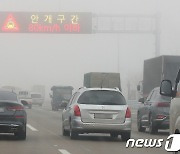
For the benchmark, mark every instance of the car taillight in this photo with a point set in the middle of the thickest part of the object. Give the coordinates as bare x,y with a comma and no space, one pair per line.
15,108
19,117
160,116
163,104
77,111
128,113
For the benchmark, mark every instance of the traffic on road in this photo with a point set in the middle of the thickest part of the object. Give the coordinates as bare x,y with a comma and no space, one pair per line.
89,77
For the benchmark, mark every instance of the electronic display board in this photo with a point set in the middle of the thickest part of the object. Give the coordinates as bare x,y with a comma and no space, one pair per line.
46,22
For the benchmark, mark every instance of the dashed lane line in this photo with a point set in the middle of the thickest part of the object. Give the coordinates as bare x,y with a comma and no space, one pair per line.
63,151
32,128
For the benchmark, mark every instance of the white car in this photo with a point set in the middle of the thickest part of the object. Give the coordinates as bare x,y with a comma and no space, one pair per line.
37,99
174,93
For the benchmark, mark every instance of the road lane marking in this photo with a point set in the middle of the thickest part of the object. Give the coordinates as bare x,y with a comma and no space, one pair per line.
63,151
32,128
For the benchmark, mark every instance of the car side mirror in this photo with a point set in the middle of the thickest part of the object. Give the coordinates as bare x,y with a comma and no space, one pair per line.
64,104
141,100
166,88
25,103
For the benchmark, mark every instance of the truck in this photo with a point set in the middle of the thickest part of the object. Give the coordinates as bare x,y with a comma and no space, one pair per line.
155,70
60,96
102,80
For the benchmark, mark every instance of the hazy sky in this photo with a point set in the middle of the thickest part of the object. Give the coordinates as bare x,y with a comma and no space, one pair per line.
27,59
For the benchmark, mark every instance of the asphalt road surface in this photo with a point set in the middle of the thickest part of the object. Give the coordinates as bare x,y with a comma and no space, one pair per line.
44,136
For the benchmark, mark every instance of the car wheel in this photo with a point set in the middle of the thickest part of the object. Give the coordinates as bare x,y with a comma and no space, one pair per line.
65,132
73,134
126,136
114,135
21,135
152,127
139,125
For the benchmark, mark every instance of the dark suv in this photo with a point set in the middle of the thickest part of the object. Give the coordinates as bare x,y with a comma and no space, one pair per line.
155,112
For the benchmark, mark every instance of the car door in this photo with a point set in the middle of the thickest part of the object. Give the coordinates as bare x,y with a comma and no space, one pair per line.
175,113
145,109
66,112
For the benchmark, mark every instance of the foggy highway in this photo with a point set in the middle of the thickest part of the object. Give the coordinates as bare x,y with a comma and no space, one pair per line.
44,135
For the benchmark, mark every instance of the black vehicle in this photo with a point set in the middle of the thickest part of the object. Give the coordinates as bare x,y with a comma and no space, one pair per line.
12,115
155,112
60,96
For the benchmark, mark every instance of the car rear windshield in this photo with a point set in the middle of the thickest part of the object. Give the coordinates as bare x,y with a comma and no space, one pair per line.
8,96
102,97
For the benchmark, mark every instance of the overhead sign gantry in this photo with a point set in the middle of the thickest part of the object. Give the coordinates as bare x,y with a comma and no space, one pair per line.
42,22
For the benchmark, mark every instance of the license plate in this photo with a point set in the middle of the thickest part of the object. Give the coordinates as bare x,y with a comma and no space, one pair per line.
1,109
102,116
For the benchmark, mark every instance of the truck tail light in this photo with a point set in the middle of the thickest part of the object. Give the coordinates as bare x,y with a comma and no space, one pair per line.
128,113
77,111
160,116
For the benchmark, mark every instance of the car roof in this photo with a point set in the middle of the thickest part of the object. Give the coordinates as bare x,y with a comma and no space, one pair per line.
83,89
7,90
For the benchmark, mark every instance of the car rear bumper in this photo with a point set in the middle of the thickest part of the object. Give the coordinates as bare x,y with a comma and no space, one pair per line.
162,124
11,127
81,127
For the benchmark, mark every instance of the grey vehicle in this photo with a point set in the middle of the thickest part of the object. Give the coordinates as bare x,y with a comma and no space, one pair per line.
97,110
12,115
154,114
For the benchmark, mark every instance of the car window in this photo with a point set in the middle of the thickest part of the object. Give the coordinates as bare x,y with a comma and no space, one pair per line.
153,96
156,97
8,96
149,96
102,97
70,101
75,98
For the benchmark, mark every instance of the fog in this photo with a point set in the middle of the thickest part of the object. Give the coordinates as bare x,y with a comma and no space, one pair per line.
62,59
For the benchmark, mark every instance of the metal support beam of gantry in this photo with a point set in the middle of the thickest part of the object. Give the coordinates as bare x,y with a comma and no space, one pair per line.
128,23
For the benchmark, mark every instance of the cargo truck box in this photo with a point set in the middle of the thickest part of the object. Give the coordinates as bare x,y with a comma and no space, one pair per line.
104,80
158,69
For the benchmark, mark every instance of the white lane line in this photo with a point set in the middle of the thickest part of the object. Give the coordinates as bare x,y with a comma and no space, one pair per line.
32,128
63,151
